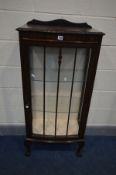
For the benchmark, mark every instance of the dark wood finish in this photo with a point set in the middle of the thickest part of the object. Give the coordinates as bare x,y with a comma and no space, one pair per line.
24,53
80,148
58,22
71,91
57,92
27,146
59,33
58,26
51,39
44,72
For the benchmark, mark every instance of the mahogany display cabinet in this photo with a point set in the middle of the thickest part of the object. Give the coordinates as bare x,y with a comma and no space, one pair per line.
59,60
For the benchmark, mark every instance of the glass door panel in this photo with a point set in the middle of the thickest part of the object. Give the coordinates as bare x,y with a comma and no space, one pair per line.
56,89
36,77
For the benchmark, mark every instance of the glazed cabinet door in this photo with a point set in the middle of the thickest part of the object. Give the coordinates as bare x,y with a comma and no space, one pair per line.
57,81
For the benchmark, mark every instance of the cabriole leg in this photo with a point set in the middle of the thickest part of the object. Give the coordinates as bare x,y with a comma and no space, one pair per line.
80,148
27,148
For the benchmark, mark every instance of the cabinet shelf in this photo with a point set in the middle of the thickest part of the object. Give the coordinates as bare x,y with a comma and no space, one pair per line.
50,103
56,81
72,112
51,75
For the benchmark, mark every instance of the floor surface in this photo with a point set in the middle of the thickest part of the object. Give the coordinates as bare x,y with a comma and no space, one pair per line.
99,157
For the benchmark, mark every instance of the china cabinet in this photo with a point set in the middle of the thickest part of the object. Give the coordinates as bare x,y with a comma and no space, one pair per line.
58,60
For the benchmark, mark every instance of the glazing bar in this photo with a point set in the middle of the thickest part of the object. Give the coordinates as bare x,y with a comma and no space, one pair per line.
59,65
71,92
44,73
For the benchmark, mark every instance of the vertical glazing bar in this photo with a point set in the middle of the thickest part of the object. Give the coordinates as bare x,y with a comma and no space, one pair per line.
71,91
44,73
59,65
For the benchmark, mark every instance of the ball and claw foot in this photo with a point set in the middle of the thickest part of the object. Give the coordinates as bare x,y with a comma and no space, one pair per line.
27,148
80,149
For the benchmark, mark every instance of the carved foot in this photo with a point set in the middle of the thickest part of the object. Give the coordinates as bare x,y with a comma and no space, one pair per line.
27,148
80,149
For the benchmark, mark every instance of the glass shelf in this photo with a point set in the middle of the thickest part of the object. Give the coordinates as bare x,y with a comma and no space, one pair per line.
51,75
50,122
37,88
63,105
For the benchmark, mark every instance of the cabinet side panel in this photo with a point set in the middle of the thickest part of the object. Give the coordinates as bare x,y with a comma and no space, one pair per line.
88,88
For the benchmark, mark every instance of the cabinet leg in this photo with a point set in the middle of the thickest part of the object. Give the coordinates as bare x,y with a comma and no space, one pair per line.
80,149
27,148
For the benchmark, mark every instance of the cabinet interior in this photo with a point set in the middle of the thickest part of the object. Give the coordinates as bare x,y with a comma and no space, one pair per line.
44,67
